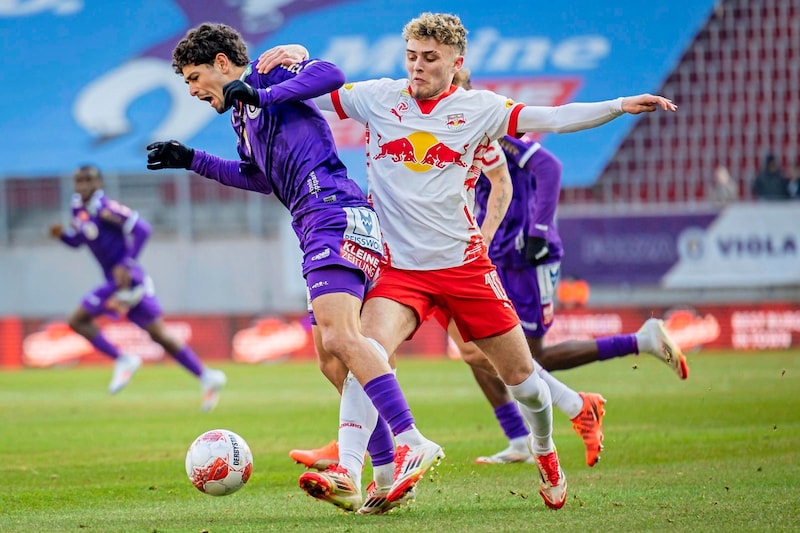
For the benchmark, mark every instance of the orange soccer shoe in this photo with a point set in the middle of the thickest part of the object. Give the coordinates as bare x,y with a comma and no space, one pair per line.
318,458
589,425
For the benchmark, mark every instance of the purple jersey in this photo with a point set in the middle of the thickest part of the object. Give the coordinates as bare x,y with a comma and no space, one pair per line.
536,177
286,147
114,233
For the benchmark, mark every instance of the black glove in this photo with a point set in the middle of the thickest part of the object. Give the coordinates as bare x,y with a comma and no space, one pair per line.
536,250
170,154
239,90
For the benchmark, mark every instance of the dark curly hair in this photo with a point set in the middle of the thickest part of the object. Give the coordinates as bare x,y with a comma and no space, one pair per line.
202,44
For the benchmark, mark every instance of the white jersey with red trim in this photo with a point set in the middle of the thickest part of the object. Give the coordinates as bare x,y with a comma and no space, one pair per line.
419,157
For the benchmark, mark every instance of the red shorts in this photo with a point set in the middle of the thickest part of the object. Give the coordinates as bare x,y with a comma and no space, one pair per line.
471,295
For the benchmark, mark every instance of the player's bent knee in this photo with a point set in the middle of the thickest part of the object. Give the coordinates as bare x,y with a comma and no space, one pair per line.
338,343
479,361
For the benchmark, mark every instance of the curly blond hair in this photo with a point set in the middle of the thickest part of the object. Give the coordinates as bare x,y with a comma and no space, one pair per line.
443,27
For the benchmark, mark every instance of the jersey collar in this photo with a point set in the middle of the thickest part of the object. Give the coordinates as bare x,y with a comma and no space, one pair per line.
426,106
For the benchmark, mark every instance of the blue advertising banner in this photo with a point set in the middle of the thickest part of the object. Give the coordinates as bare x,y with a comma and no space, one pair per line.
625,249
92,81
745,245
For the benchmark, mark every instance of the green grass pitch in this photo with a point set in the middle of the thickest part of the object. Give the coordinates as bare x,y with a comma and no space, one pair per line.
718,452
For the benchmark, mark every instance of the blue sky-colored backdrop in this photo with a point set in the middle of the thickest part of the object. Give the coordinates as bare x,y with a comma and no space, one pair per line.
91,80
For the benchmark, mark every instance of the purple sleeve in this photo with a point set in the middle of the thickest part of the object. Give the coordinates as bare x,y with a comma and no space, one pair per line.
302,81
139,234
547,171
71,238
231,173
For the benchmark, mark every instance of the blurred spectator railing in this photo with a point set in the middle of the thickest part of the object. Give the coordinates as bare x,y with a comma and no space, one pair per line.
178,205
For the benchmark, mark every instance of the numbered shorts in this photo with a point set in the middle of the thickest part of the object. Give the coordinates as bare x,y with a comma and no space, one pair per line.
472,295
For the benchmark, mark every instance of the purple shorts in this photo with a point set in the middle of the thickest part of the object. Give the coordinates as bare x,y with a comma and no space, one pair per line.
144,313
334,279
342,250
532,290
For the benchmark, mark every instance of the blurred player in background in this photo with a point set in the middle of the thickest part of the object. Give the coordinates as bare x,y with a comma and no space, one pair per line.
286,148
116,235
423,132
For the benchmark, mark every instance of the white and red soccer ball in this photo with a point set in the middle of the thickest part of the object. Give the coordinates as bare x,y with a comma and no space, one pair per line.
219,462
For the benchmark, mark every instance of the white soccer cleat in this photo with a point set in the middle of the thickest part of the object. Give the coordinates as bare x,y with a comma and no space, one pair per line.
125,367
507,456
552,481
410,464
212,382
653,338
377,501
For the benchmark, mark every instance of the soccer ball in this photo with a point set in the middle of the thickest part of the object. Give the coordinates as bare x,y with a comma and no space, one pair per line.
219,462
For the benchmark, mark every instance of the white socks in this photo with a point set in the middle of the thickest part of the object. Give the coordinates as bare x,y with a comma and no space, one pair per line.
566,399
357,419
533,399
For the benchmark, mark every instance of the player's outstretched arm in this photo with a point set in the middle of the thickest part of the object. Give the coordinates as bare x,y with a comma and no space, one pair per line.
304,82
579,116
68,237
285,54
646,103
139,234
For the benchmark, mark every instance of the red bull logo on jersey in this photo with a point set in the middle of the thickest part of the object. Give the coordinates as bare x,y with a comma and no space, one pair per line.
399,150
421,151
455,122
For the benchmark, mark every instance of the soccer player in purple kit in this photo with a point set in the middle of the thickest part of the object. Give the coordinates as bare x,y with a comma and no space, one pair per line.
116,235
286,148
527,251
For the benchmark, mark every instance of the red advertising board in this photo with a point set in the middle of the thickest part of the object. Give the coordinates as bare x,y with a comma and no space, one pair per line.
256,339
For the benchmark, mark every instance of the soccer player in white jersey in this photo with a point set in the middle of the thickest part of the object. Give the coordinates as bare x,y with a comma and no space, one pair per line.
424,133
380,446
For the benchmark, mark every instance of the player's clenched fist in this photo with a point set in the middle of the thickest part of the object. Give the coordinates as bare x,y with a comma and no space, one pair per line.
170,154
237,90
56,230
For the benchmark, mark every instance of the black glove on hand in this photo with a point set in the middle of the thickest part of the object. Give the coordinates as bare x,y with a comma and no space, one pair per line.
239,90
170,154
536,250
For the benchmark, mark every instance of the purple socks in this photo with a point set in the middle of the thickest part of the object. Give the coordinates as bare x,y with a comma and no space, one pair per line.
616,346
511,420
385,393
